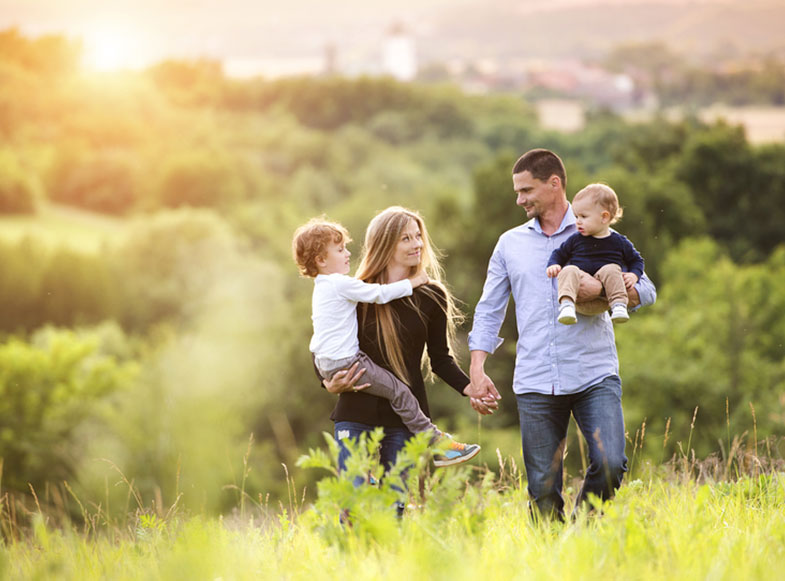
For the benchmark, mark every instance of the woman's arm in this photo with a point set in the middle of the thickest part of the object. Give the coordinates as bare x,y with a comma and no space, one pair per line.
344,380
442,362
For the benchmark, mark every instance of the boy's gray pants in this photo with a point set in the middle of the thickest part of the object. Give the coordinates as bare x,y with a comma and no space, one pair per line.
382,384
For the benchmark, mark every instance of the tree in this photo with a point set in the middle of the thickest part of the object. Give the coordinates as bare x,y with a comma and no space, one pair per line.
716,334
106,182
739,188
19,191
47,389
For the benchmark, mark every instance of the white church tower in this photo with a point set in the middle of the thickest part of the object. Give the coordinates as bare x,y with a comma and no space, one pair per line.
399,58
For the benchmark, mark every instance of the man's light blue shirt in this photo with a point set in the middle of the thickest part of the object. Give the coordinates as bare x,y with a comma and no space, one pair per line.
550,357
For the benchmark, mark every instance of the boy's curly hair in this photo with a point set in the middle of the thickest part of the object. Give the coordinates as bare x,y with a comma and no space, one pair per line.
310,242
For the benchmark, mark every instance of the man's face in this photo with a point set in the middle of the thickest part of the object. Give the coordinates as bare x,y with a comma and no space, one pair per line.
534,195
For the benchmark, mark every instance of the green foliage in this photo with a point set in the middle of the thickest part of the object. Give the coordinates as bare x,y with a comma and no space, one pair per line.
189,82
199,179
106,181
19,191
167,264
58,286
716,339
47,389
740,188
365,499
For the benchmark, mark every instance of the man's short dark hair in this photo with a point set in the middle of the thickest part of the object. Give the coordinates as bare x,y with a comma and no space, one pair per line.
542,164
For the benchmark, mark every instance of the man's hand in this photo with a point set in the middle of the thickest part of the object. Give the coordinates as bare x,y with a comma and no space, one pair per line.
630,280
346,380
481,391
553,270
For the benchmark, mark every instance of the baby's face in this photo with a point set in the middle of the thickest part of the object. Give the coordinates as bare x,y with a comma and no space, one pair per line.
590,218
336,259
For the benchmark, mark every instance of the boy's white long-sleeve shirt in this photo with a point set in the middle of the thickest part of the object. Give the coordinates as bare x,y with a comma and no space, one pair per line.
334,311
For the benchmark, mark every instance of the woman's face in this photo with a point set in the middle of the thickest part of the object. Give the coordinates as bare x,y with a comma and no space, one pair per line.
408,250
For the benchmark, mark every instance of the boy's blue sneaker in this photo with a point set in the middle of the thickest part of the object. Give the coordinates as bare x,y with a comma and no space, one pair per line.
454,453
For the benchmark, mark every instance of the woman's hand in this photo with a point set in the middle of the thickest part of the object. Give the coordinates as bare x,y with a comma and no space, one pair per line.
346,380
484,406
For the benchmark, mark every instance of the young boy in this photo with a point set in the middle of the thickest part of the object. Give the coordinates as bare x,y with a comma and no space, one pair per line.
319,249
598,251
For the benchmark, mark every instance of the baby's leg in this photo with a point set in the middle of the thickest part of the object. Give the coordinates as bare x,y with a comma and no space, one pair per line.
613,283
569,282
385,384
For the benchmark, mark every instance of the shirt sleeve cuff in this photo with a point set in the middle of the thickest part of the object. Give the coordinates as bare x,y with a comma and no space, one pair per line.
487,344
646,293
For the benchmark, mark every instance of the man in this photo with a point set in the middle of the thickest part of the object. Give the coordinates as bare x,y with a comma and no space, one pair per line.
559,370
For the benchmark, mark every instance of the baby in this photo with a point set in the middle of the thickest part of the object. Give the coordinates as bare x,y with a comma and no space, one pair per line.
597,250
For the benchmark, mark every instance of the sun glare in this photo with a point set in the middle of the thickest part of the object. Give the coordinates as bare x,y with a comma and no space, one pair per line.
110,48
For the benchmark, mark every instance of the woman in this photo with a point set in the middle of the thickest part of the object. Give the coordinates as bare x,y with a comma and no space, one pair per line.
396,334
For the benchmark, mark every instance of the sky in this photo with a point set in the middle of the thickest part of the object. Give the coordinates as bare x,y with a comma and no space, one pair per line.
138,33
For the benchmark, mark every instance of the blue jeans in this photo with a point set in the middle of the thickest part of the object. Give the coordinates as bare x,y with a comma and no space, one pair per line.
544,420
393,442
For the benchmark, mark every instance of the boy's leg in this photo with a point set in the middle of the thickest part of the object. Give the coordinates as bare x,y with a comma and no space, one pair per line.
385,384
613,283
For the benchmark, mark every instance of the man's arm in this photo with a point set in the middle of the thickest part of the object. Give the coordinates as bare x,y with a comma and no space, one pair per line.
645,293
484,336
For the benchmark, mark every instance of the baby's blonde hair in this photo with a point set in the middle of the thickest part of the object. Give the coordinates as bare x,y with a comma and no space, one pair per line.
604,196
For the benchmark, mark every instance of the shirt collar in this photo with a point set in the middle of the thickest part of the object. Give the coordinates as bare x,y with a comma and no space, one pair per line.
567,221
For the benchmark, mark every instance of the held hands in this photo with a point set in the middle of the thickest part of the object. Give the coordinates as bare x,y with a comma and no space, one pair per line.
553,270
419,279
483,396
630,279
346,380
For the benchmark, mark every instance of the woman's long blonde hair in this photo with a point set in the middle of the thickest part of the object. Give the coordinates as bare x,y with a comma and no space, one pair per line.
381,238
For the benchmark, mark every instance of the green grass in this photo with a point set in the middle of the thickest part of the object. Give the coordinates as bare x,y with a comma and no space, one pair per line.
60,225
654,530
462,523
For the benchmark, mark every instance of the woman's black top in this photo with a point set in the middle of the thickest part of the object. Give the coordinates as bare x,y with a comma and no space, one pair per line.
416,331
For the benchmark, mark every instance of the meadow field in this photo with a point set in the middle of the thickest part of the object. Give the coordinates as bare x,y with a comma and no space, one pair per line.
683,519
62,226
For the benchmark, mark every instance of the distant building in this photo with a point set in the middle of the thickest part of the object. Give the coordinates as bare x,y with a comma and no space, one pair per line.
330,60
399,57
